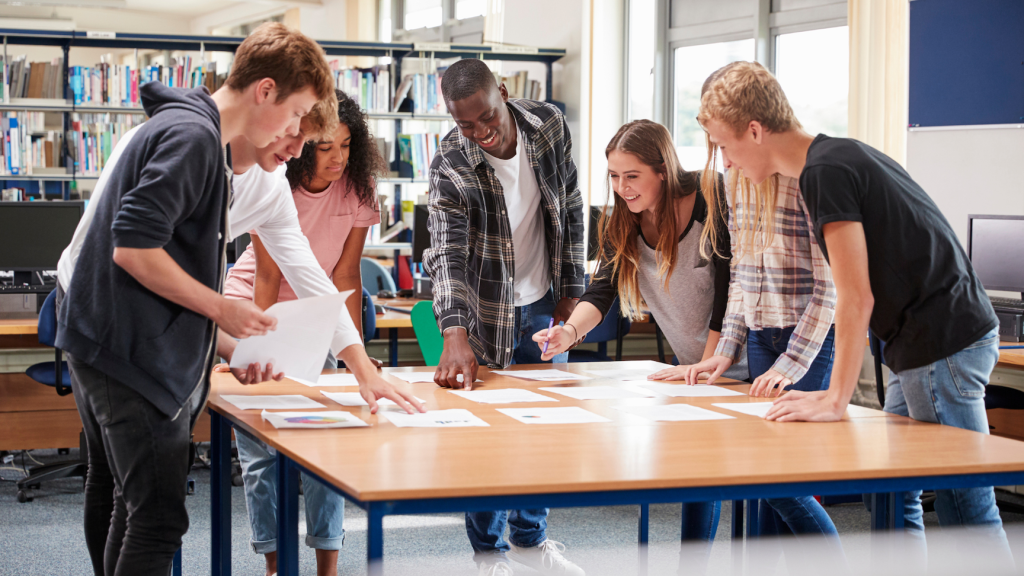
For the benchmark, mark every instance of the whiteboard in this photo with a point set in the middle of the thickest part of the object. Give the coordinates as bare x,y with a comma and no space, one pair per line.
969,170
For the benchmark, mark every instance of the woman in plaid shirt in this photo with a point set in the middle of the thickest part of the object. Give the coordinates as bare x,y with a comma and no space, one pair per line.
781,304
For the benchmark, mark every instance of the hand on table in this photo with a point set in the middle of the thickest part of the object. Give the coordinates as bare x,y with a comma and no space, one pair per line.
713,367
767,382
457,358
376,363
251,375
376,388
560,340
798,406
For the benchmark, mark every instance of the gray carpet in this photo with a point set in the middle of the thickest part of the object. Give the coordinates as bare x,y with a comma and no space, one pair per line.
45,536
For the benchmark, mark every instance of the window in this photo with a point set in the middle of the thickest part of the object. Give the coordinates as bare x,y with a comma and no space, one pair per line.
813,68
422,14
469,8
693,64
640,66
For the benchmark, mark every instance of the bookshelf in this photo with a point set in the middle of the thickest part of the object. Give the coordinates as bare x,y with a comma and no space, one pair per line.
397,52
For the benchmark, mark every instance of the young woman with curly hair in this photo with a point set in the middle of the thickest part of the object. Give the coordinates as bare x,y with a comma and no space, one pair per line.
333,186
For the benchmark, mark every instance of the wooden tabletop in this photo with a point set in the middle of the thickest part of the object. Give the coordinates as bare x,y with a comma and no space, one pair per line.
392,319
1013,359
383,462
9,327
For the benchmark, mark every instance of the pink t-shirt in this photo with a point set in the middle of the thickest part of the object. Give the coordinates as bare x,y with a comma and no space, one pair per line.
326,220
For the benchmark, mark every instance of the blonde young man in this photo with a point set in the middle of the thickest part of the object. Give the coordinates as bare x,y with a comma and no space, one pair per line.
898,269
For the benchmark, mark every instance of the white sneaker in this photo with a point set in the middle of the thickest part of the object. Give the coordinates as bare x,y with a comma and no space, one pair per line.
496,569
545,558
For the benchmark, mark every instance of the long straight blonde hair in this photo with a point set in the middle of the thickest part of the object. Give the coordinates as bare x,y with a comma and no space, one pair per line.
652,144
737,94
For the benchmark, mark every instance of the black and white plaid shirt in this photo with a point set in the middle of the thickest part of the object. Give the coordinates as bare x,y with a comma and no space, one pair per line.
470,260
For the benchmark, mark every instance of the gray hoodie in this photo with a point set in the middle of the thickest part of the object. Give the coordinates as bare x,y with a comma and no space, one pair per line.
170,190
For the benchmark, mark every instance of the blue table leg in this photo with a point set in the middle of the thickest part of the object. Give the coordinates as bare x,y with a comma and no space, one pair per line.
287,517
881,508
896,511
753,529
176,564
375,539
220,494
737,519
642,536
392,347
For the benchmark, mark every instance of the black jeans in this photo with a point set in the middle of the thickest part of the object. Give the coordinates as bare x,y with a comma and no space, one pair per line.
138,464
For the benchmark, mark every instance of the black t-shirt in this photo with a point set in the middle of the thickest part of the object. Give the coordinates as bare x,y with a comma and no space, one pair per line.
928,302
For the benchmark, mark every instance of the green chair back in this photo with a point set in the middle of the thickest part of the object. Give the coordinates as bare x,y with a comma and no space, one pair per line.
424,324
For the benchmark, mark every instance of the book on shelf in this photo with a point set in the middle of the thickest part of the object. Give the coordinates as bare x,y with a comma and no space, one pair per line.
418,151
23,79
93,137
424,93
28,147
369,87
520,86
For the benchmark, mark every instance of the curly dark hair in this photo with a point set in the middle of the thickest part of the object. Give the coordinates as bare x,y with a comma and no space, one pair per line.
365,163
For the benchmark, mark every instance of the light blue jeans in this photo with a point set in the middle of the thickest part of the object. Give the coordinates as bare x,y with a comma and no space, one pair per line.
952,392
325,509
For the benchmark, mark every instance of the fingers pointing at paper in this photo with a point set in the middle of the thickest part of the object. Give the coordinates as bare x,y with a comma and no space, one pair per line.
377,388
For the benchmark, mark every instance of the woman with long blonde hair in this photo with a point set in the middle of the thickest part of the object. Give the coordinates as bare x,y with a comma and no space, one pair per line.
651,258
781,296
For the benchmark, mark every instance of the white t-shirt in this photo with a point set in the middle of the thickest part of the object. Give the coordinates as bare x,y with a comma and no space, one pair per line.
262,202
523,202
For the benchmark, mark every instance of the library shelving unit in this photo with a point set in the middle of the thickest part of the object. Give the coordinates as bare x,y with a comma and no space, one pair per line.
397,52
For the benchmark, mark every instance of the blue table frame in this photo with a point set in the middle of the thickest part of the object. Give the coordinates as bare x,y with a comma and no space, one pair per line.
885,493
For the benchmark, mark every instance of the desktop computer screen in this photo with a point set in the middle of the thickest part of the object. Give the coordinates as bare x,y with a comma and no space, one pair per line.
33,234
995,245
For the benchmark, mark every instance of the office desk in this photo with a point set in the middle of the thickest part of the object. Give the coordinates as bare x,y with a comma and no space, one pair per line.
393,321
1012,359
388,470
17,327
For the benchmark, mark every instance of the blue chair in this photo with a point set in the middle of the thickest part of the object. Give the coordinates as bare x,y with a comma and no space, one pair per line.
369,318
54,374
375,276
613,327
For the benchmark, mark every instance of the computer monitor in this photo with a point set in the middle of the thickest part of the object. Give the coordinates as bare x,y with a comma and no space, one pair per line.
995,245
34,234
420,234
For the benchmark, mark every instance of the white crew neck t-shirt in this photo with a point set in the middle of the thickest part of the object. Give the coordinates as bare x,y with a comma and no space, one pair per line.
532,278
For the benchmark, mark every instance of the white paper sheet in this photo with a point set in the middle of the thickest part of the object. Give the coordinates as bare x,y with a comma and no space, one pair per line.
686,391
302,339
543,375
674,413
355,399
322,419
413,377
632,372
454,418
567,415
329,380
502,396
598,392
759,409
285,402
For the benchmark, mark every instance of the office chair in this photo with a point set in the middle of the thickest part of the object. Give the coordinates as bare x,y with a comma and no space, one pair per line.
375,276
54,374
428,335
369,318
995,397
613,327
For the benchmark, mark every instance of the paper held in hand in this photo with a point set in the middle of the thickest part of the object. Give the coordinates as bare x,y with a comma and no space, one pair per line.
305,328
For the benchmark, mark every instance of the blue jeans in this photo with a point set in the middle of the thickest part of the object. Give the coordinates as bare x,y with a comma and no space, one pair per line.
952,392
527,527
325,509
801,515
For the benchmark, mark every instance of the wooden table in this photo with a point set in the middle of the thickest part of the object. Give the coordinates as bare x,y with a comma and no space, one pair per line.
388,470
18,327
1013,359
393,321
